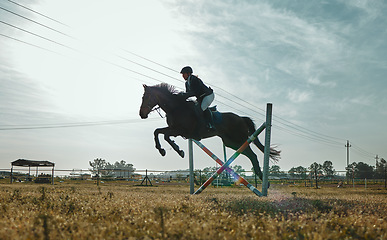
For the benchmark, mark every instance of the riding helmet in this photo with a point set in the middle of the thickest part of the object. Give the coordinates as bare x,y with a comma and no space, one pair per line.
186,69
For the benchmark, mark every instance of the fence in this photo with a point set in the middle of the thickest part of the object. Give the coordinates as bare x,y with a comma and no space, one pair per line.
182,177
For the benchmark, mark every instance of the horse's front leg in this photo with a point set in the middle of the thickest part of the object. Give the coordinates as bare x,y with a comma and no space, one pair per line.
168,132
157,141
173,144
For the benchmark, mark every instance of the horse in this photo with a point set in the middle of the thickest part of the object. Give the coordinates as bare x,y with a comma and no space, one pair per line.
185,119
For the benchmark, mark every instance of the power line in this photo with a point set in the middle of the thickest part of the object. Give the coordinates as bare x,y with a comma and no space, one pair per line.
38,23
18,40
141,65
362,150
71,48
70,125
43,15
37,35
173,70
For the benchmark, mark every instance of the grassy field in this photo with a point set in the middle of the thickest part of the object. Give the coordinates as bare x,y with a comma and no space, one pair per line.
111,211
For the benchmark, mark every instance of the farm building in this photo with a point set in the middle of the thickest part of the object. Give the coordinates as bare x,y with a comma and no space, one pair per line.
42,178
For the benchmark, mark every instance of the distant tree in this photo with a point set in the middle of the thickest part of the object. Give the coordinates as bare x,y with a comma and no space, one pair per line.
298,172
315,171
275,170
120,168
360,170
97,165
350,170
328,169
105,168
239,169
384,165
380,169
208,171
199,176
363,170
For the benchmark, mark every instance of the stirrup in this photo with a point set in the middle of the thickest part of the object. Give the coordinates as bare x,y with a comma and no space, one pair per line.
210,126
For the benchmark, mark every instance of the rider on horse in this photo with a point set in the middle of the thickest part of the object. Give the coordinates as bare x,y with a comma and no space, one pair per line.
204,95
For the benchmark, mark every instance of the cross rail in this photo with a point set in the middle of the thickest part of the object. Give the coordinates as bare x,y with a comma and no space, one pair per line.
231,159
229,170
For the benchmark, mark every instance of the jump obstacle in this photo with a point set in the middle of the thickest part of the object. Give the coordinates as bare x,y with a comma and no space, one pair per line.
236,177
225,166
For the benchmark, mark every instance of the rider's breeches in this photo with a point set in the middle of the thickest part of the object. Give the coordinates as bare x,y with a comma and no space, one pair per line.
207,100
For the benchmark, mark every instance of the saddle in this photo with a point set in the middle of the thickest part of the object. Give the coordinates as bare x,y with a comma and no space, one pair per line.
216,117
210,116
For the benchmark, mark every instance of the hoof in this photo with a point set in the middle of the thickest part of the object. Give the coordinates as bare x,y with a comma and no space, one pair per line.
181,153
162,152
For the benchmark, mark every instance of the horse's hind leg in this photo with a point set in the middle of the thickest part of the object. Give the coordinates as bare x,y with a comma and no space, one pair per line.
254,161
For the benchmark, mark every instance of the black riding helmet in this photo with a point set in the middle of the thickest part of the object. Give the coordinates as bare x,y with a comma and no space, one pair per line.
186,69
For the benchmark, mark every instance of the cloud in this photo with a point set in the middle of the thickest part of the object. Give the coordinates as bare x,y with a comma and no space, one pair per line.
369,10
363,100
318,82
298,96
266,37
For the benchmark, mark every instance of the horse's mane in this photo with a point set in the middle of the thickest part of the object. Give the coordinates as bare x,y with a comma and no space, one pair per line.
165,87
171,90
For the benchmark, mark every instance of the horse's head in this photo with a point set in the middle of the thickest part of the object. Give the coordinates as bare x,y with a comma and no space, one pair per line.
148,102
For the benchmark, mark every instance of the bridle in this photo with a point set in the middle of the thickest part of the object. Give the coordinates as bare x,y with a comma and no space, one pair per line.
154,108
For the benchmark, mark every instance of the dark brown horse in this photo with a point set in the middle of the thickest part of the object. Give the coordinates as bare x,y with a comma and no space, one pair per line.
186,120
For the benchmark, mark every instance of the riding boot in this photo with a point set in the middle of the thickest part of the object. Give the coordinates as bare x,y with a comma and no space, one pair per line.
209,119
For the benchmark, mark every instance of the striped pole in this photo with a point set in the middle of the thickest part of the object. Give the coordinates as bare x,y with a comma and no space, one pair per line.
229,170
232,158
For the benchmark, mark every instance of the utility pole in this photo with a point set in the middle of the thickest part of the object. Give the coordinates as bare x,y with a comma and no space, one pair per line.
348,146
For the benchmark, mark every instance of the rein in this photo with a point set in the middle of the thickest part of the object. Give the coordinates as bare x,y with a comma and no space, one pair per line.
158,111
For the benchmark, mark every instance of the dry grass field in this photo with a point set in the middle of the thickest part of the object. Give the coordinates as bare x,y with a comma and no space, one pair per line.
111,211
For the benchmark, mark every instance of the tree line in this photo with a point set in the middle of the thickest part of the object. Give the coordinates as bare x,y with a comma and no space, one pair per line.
100,167
358,170
326,170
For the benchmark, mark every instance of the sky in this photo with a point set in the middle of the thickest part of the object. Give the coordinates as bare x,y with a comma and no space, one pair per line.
71,75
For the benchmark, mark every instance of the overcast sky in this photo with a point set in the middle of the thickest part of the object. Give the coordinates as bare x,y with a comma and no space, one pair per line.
71,84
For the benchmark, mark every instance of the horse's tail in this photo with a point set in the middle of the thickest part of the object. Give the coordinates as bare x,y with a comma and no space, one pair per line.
274,154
